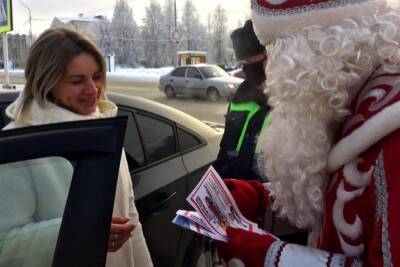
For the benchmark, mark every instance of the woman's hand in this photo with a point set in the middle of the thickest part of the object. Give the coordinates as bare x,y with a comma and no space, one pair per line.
120,232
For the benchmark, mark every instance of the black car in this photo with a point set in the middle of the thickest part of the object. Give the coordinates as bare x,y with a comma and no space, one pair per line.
167,151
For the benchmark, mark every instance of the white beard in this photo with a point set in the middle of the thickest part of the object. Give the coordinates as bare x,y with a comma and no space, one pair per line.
310,77
298,149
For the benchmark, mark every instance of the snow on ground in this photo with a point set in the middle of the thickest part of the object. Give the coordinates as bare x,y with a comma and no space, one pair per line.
150,75
138,74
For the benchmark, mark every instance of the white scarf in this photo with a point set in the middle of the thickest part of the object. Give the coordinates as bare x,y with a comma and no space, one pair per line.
52,113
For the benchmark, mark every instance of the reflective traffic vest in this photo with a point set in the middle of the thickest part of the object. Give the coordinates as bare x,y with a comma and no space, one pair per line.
240,144
251,108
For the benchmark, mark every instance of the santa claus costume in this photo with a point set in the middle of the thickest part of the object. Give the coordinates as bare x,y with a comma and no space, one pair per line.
333,143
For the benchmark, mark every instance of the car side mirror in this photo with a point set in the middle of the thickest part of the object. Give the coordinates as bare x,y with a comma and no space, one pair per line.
198,76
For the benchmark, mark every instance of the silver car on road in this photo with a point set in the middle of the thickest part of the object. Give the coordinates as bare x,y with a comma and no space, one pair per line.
202,80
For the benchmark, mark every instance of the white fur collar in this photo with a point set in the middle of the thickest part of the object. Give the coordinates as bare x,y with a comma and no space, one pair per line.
374,129
51,113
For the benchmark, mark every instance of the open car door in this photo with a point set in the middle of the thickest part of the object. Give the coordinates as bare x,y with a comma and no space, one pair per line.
57,187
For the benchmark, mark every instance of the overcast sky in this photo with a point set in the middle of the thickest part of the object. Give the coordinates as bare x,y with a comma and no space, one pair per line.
43,11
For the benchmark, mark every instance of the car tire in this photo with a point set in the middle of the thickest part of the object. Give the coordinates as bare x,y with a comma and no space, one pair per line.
212,94
169,92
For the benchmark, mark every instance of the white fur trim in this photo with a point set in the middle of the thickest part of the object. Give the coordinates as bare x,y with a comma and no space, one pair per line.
383,123
354,177
302,256
235,262
352,230
351,250
268,27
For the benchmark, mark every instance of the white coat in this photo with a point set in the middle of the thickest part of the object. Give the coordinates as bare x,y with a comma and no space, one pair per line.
47,180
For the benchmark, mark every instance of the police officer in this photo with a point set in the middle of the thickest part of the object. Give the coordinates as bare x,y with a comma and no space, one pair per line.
247,113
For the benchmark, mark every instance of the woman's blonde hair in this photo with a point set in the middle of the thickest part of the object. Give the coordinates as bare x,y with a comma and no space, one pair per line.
47,62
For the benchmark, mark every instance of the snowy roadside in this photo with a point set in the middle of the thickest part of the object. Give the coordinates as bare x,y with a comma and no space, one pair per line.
121,78
126,78
150,75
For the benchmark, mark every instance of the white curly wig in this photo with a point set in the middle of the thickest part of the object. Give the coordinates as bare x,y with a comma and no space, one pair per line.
311,78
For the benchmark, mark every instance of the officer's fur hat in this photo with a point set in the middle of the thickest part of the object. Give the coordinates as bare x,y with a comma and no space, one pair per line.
245,42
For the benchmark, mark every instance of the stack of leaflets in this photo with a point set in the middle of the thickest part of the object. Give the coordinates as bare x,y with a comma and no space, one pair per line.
215,210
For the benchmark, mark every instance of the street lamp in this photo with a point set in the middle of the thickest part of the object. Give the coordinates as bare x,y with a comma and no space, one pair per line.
30,19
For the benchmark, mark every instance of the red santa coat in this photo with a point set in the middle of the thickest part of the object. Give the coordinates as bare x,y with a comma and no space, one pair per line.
362,220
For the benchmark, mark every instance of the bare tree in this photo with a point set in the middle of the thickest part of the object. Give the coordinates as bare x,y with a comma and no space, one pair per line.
193,32
124,29
169,28
153,35
219,35
105,42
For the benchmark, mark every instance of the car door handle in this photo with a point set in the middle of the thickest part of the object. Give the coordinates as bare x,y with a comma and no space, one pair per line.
161,205
171,80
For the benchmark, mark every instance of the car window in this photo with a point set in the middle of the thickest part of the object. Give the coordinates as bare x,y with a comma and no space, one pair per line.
213,71
3,118
187,140
179,72
192,73
6,99
33,197
132,144
158,137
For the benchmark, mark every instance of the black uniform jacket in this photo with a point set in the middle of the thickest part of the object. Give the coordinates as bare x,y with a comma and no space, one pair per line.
242,164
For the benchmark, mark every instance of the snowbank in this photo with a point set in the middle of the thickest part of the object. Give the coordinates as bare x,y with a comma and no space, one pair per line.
138,74
121,75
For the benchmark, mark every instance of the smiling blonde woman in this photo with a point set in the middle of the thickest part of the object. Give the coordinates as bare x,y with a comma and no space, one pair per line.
65,81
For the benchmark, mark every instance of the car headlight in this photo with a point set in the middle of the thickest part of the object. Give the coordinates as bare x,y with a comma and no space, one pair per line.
230,86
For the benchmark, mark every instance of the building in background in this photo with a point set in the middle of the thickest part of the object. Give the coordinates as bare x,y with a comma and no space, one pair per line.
95,28
88,25
191,57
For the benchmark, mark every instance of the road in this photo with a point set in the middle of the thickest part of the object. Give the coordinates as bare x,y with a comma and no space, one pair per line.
202,109
199,108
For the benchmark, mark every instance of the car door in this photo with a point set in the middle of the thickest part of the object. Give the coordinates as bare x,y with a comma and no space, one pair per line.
159,178
195,85
57,184
193,148
177,80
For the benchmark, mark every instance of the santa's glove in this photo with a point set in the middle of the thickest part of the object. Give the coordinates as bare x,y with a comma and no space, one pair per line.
246,247
251,198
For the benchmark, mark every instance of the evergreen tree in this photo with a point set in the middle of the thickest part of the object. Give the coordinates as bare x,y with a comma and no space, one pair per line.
124,29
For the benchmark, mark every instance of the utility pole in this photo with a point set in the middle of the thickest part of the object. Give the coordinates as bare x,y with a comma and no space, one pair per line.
175,17
5,60
176,36
4,29
30,20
